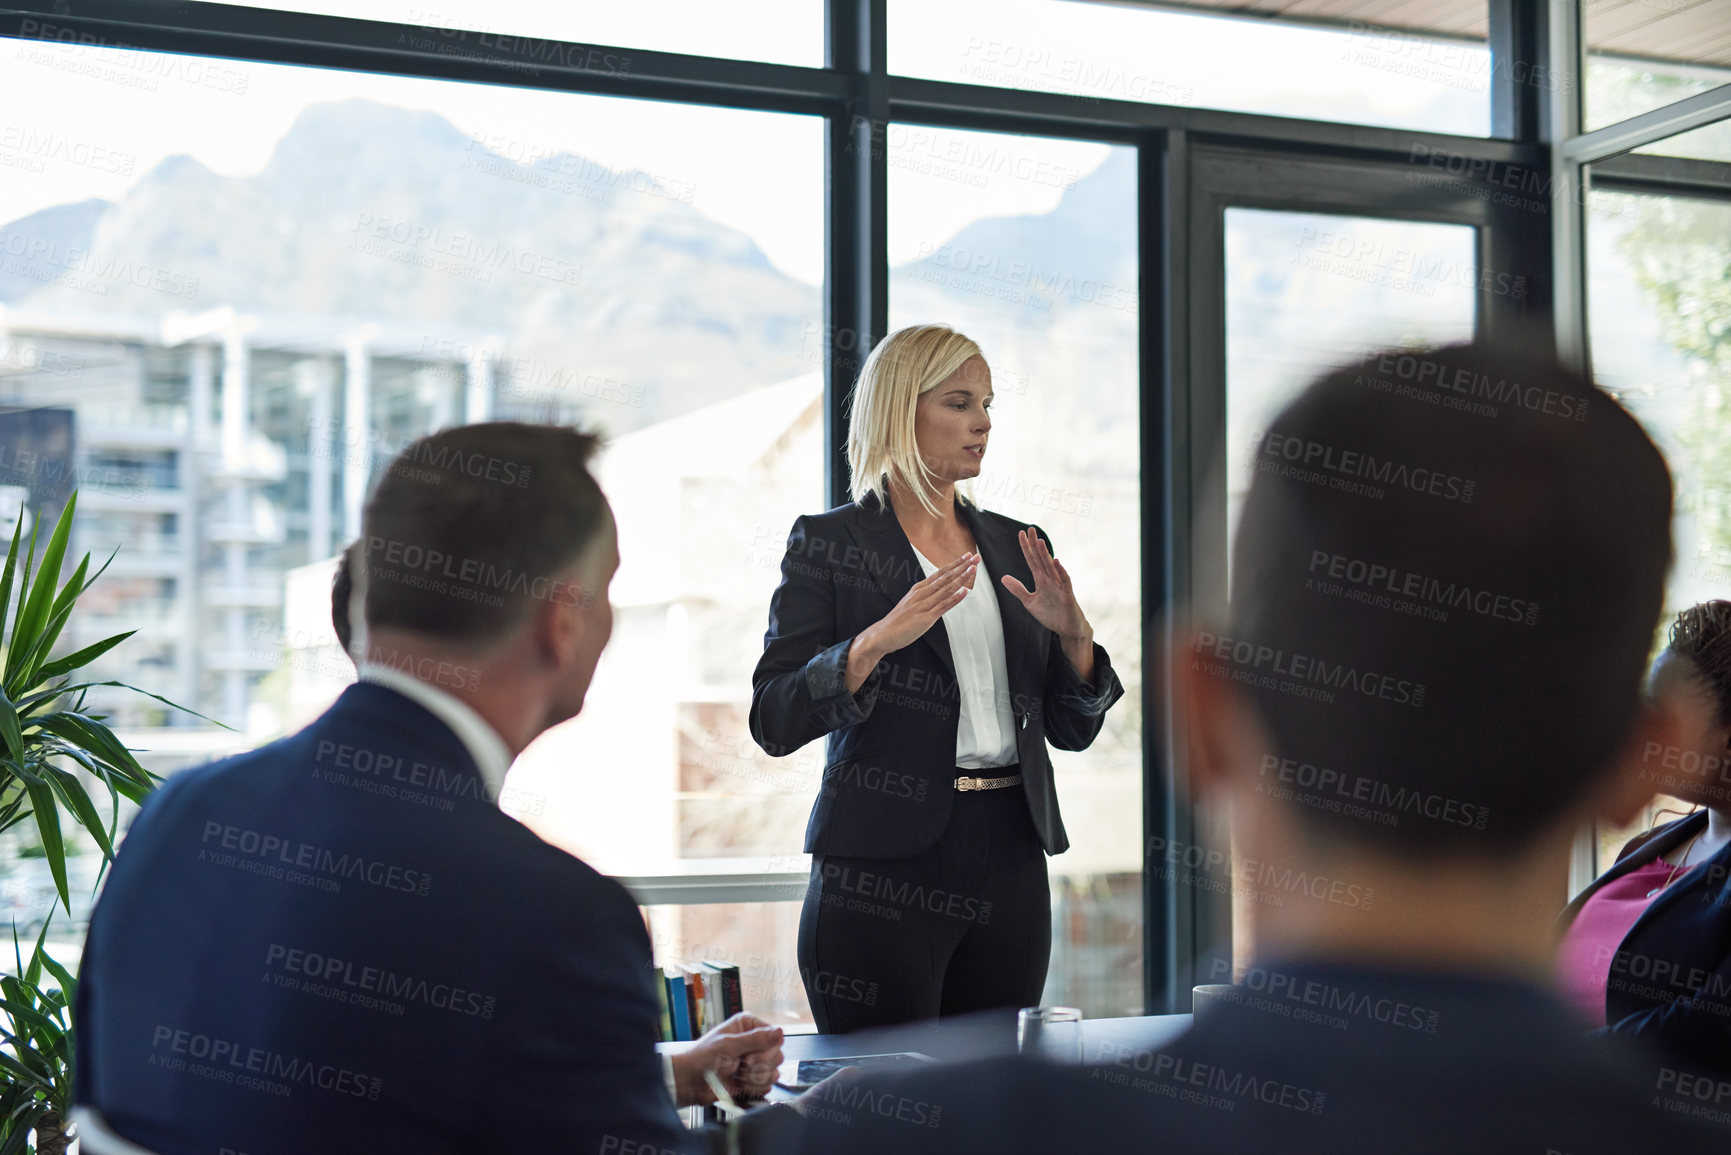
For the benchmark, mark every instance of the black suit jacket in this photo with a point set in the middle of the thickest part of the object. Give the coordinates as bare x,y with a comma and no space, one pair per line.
1337,1061
890,768
1670,979
339,943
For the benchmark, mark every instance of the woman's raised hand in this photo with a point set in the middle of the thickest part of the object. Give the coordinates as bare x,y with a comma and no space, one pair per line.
926,602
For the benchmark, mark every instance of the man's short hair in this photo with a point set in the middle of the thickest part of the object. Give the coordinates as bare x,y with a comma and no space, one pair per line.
1447,578
471,528
342,589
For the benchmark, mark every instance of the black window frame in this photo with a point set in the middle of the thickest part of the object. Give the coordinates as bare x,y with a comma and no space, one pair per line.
1181,299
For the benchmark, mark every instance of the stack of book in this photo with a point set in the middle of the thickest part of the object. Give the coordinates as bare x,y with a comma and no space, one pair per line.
694,999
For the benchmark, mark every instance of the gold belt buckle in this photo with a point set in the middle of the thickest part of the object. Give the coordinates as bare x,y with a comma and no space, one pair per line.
968,782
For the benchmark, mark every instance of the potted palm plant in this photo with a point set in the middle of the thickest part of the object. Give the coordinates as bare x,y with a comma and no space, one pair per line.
46,735
36,1052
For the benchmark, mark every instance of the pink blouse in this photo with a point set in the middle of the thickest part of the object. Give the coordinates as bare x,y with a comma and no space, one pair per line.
1604,920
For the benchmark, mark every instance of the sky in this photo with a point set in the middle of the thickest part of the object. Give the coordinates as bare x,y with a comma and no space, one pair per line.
118,113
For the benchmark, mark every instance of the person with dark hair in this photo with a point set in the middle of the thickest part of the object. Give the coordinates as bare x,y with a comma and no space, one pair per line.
342,592
1647,947
1427,681
339,942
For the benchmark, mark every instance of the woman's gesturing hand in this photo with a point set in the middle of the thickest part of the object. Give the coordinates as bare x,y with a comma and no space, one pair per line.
1053,602
922,605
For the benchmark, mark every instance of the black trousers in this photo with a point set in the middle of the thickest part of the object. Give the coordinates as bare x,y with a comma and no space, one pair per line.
965,925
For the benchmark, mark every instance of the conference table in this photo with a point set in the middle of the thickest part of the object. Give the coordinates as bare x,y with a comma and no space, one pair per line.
975,1036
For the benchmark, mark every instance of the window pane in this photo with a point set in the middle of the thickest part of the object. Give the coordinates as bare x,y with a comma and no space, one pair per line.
774,31
1307,291
760,938
1655,286
1710,142
1028,246
1655,289
1353,72
1643,55
227,307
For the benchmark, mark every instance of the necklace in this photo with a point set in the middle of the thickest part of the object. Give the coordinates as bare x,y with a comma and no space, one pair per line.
1690,849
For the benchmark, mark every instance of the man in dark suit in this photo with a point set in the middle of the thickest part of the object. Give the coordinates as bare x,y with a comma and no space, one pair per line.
1427,683
339,942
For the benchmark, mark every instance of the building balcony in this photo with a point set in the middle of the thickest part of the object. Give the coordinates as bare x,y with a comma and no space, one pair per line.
140,427
146,620
259,523
96,492
257,661
251,595
133,561
259,460
258,531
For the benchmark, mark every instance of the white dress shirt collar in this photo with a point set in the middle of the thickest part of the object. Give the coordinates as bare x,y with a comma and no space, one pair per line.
492,757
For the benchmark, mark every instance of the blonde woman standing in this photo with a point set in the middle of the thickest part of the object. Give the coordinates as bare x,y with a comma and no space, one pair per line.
938,648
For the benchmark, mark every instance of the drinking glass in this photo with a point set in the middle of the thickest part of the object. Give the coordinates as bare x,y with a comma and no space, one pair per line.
1052,1033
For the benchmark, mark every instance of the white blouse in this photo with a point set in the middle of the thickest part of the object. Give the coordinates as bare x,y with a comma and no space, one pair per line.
986,732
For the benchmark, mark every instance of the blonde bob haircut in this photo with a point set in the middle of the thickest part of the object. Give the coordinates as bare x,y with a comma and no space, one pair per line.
880,439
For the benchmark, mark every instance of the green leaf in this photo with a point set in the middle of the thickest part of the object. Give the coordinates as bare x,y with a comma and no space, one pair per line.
50,634
23,589
47,816
68,984
61,666
15,1142
6,578
10,732
169,704
36,594
84,731
23,1072
71,791
30,1016
35,970
74,586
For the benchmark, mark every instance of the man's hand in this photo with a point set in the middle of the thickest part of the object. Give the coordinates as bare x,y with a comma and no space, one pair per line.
744,1052
839,1081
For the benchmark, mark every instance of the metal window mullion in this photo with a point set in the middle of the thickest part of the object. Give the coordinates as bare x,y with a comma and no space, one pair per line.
1522,81
857,76
1664,175
856,311
710,890
1516,62
292,38
1062,114
1163,241
1568,192
1681,116
1569,258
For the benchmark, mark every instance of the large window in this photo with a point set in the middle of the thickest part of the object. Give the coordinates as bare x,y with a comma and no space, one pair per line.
1657,299
1028,245
248,300
1643,55
1433,74
1306,292
232,285
531,31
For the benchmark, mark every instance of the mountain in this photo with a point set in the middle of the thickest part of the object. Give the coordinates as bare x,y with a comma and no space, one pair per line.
60,229
372,212
1081,251
1052,299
